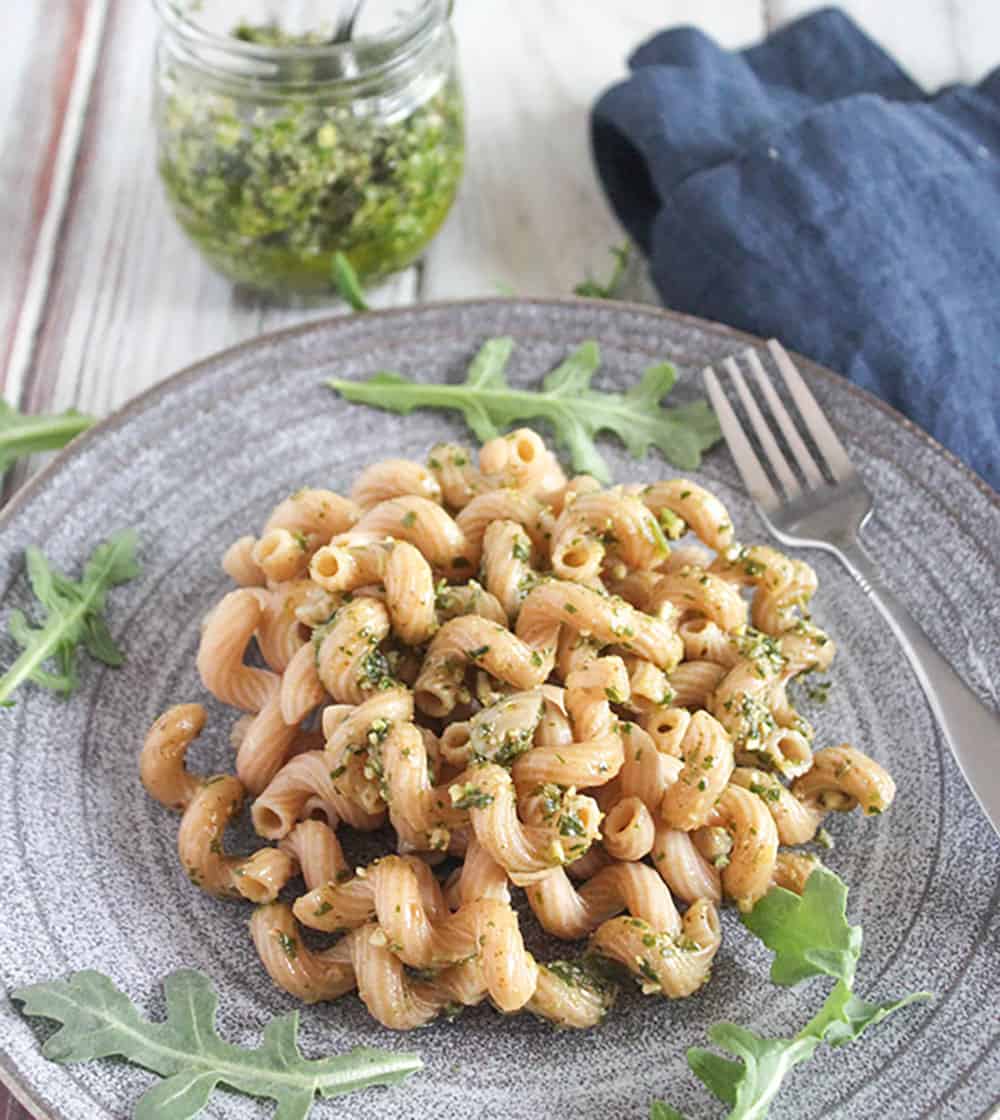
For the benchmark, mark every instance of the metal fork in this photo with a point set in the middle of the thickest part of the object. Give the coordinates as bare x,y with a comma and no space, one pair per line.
817,513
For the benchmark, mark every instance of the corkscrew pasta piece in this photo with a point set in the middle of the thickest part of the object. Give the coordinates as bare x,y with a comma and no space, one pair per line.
785,749
308,975
648,688
695,591
351,733
782,586
349,660
281,555
694,683
238,563
684,869
266,742
480,876
258,877
304,786
628,830
667,728
428,527
596,754
315,848
741,701
162,760
396,565
522,461
571,995
605,722
280,632
707,754
792,870
704,640
422,815
502,732
474,641
570,913
559,827
697,508
556,603
301,689
647,772
747,875
605,523
842,778
394,478
227,632
672,964
507,567
506,505
456,600
797,820
459,478
315,514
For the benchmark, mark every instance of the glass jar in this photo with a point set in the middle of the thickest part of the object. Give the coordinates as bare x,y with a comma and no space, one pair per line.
279,147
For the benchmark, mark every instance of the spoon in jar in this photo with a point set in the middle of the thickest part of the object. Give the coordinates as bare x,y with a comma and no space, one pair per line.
346,20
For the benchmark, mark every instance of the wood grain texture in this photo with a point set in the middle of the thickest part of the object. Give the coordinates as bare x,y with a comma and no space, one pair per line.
130,300
41,58
531,213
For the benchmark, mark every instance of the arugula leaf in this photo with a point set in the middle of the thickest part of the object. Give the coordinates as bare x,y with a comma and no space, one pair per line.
345,280
99,1021
844,1017
809,933
73,617
575,410
590,287
810,936
749,1085
660,1111
24,435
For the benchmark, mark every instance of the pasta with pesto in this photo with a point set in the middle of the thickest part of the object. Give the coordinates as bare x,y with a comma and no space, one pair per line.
533,696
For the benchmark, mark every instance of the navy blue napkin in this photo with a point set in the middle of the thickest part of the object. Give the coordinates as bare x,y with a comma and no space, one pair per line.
807,188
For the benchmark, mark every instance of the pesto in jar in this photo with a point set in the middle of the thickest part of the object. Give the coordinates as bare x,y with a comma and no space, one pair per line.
269,187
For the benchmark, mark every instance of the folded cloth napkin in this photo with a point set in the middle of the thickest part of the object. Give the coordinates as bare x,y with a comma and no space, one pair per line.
808,189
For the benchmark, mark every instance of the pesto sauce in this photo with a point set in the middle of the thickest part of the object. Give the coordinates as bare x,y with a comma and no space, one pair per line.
270,188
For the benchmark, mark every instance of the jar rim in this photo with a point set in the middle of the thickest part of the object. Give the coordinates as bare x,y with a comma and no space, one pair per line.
395,44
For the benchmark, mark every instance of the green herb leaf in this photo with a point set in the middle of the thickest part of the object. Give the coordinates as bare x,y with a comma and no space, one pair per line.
660,1111
99,1021
575,410
72,617
808,934
595,290
24,435
844,1017
763,1065
345,280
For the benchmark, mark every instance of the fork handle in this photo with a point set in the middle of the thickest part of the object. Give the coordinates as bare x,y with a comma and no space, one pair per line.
971,729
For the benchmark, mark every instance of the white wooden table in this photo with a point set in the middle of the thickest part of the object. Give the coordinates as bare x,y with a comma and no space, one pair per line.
101,296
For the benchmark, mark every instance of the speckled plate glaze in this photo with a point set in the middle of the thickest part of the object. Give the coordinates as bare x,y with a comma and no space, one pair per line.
90,875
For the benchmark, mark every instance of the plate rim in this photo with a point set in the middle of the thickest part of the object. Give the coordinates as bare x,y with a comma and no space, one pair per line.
10,1077
194,370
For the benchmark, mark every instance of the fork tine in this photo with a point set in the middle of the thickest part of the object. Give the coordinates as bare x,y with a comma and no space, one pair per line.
816,423
775,456
752,472
807,464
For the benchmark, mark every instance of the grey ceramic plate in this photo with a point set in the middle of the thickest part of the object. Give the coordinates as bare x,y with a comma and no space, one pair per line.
90,875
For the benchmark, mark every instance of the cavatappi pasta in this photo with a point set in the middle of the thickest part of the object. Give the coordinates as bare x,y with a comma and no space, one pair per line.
531,684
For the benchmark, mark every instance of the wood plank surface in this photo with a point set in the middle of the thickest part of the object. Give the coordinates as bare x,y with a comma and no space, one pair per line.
531,214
